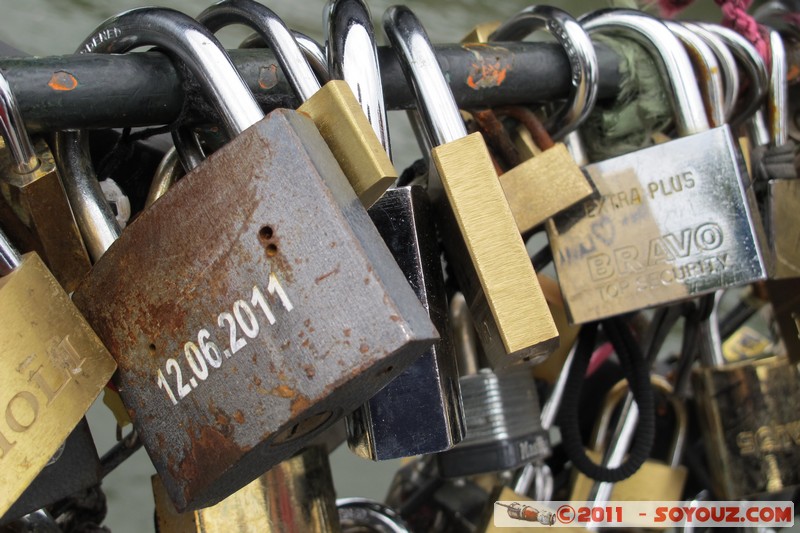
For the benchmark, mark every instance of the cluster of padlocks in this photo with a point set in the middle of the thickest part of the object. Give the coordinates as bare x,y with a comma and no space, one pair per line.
273,287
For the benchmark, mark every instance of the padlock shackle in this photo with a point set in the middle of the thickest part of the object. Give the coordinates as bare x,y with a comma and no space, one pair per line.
751,63
777,95
275,33
435,101
353,57
708,71
727,65
194,45
10,258
669,56
14,132
580,52
312,50
96,221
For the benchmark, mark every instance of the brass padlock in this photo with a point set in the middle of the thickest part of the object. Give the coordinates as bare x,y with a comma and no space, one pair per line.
664,228
748,412
31,187
229,328
549,180
654,480
552,368
54,368
333,108
295,495
479,235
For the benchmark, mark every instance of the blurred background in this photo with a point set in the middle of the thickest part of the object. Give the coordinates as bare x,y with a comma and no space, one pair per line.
55,27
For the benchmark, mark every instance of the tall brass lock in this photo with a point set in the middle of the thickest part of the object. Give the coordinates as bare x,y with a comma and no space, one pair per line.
333,108
749,417
654,480
54,367
295,495
664,228
31,187
245,326
480,237
549,180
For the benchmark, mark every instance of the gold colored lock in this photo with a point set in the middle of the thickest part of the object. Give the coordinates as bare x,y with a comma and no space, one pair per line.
548,180
295,495
53,368
30,187
491,265
749,417
654,480
550,369
333,108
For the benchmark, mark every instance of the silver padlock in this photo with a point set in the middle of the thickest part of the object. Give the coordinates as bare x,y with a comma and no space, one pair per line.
504,429
672,221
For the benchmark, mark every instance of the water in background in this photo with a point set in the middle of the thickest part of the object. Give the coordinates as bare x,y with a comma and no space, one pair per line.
54,27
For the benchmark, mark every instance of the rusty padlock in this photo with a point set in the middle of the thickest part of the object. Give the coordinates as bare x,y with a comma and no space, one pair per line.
233,345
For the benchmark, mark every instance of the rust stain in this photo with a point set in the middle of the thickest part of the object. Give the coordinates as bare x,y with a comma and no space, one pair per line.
268,77
210,453
394,318
300,404
488,70
364,348
328,274
347,332
366,281
62,81
284,391
310,371
238,416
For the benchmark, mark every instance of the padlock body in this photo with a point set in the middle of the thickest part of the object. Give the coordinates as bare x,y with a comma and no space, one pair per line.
488,256
348,133
654,481
749,416
38,200
296,495
264,251
544,185
388,425
671,222
54,367
783,231
75,468
504,428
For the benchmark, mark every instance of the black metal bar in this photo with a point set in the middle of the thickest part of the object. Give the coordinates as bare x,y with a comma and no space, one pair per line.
143,89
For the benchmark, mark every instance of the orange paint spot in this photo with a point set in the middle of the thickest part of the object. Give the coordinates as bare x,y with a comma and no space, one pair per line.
62,81
489,68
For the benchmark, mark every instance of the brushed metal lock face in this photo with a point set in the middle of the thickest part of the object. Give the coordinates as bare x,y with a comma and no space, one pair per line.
672,221
249,308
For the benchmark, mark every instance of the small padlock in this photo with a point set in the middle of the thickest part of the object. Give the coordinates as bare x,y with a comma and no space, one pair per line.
654,480
388,425
549,180
501,411
748,415
663,228
552,368
333,108
74,467
31,187
245,326
295,495
479,235
54,368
